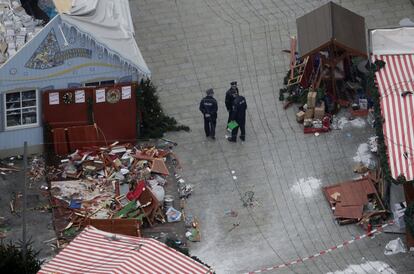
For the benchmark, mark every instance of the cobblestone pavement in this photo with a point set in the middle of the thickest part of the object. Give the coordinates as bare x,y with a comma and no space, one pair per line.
192,45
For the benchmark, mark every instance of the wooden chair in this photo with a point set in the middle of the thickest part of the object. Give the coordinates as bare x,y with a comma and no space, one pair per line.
150,206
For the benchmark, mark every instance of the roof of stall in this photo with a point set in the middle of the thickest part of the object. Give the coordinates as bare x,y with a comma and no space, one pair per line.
107,22
96,251
328,24
395,83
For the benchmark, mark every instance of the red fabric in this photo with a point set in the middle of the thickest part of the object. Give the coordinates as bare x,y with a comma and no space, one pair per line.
139,188
397,111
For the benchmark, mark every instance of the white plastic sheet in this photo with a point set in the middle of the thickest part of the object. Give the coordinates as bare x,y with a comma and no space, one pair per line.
109,23
392,41
394,247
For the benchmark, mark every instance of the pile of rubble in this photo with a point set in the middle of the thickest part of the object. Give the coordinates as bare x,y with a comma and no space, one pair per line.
16,28
356,200
113,183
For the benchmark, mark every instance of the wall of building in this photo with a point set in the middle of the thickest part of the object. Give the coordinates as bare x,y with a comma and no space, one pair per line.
52,60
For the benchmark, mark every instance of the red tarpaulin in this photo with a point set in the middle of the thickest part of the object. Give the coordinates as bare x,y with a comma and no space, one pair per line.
396,77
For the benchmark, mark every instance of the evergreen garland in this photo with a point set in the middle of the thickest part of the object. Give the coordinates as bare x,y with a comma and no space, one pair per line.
382,148
409,218
153,122
184,250
11,259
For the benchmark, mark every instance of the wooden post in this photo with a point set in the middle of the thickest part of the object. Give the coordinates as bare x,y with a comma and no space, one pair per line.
24,248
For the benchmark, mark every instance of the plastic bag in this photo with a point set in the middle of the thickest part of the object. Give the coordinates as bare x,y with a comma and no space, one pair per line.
173,215
232,125
394,247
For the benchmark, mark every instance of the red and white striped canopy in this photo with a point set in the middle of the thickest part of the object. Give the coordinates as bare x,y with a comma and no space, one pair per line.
398,111
96,251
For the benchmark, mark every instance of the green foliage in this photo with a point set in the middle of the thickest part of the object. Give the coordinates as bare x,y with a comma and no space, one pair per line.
409,218
379,64
281,94
320,94
153,122
11,260
286,78
382,148
171,243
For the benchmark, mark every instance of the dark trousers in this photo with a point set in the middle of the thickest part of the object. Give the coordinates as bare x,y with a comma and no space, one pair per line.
210,127
242,131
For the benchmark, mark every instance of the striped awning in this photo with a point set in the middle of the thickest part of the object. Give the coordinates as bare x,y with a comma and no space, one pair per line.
96,251
396,83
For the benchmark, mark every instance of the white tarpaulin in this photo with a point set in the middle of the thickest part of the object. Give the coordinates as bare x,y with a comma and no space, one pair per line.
392,41
109,23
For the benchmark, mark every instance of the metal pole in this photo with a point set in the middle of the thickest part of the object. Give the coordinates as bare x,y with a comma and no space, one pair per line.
24,249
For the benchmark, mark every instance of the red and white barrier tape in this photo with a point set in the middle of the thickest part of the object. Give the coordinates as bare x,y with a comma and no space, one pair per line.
320,253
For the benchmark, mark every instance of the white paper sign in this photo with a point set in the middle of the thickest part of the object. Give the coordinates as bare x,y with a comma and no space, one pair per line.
80,96
126,92
100,95
54,98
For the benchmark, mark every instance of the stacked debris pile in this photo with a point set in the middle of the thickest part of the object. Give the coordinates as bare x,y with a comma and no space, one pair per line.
356,201
16,28
108,184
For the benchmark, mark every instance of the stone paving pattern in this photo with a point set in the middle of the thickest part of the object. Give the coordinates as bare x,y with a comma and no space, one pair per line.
192,45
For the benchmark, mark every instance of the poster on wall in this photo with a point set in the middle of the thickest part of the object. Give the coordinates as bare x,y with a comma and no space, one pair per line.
54,98
126,92
79,96
100,95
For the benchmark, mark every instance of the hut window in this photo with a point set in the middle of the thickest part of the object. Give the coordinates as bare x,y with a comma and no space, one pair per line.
21,109
100,83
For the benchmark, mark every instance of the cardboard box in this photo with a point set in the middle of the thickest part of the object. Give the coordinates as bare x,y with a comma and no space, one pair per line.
300,116
307,122
309,113
311,99
320,111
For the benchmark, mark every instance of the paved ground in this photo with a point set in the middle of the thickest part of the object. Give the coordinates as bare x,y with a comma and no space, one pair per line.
39,220
192,45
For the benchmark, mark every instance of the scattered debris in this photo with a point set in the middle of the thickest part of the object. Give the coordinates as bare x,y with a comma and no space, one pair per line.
173,215
373,144
117,182
234,226
356,200
193,230
231,213
360,168
247,199
394,247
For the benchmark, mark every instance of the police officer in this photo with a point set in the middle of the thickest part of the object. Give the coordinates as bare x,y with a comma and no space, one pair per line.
208,106
239,115
230,95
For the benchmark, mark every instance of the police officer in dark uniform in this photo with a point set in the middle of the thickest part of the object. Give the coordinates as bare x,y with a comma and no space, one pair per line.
208,106
239,115
230,95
